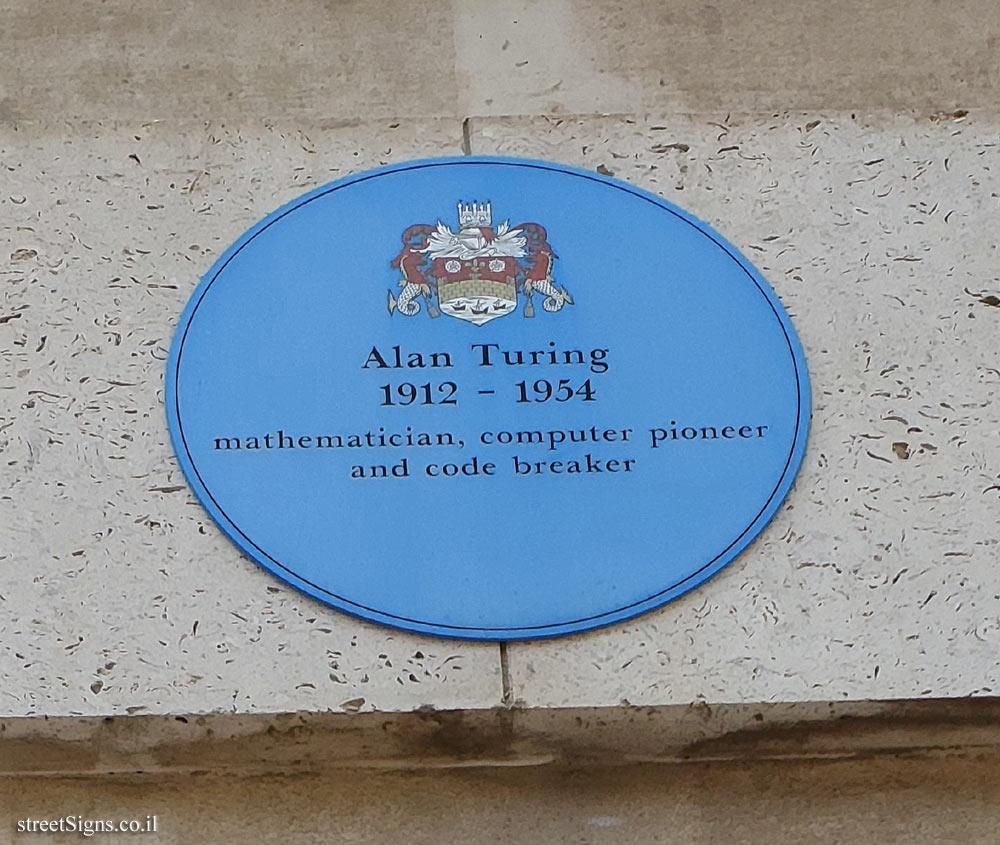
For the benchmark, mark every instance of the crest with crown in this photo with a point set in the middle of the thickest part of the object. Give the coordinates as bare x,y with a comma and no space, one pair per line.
475,215
478,273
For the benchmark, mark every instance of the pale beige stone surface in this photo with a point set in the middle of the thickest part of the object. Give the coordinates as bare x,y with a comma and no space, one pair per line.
248,59
905,801
221,59
119,594
587,56
877,579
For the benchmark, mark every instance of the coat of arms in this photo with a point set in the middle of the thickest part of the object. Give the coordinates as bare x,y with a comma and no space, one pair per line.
477,273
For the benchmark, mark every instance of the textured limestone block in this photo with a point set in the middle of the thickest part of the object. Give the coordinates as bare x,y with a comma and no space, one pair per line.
226,59
923,801
229,59
118,593
878,577
611,56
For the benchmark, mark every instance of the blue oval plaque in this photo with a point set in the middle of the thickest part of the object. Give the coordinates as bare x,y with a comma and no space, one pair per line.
487,398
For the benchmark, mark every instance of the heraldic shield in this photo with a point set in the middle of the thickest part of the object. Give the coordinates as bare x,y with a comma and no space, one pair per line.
477,273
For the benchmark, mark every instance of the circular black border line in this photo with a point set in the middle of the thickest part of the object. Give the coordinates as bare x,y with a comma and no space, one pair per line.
505,163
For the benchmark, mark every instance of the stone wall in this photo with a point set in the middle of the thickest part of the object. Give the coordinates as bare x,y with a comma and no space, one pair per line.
849,149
